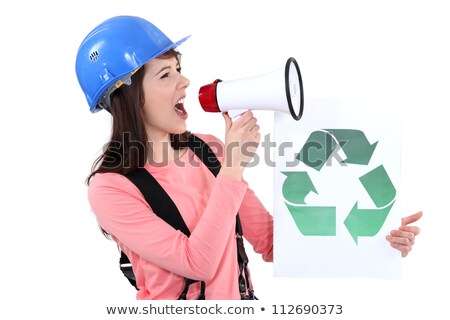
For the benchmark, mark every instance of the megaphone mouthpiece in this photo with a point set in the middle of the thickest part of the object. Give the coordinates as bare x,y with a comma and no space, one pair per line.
208,98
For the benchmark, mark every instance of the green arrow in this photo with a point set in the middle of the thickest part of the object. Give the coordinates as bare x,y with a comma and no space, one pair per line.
355,145
297,186
379,186
314,221
366,222
317,149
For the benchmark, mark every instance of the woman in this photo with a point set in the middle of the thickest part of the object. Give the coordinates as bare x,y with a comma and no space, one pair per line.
130,68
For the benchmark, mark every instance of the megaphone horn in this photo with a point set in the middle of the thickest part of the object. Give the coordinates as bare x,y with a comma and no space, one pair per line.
280,90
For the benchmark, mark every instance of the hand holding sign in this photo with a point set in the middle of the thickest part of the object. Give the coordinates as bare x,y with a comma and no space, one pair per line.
403,238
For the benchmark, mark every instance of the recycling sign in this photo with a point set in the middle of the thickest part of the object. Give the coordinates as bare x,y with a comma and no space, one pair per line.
321,221
336,193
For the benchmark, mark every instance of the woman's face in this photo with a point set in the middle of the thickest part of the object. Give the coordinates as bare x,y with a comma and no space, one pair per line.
164,92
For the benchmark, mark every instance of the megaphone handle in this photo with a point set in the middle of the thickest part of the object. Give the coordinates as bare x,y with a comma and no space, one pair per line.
235,114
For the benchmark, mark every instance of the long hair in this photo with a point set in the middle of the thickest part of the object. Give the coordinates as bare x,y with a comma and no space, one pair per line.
127,149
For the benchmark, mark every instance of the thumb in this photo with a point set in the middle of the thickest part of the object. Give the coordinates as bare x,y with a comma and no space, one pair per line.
412,218
228,122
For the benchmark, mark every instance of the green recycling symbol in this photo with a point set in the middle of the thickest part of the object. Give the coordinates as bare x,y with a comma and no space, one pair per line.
321,220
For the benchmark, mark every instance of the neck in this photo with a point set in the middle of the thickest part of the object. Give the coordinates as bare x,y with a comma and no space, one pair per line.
160,150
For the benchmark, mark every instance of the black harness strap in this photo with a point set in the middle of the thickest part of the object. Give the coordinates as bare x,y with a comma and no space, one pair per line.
165,208
127,270
154,194
204,153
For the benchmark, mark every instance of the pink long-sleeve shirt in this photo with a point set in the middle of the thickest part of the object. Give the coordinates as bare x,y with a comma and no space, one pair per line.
160,255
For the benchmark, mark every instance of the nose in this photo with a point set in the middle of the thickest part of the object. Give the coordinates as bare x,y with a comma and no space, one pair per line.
184,82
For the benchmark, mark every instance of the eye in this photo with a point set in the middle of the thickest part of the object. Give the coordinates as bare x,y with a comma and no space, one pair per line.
169,71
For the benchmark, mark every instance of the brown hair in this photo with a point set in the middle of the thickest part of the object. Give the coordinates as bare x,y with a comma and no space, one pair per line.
127,148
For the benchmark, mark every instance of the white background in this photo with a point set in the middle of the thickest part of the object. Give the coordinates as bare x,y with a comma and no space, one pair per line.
54,261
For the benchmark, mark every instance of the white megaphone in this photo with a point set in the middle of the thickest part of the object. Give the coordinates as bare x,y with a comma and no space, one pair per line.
280,90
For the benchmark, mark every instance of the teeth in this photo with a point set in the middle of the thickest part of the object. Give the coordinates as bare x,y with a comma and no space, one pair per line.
180,109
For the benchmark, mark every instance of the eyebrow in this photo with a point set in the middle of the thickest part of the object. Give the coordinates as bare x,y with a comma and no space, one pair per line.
167,67
164,68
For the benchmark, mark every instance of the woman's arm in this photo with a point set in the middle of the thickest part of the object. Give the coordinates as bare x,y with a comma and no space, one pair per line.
122,211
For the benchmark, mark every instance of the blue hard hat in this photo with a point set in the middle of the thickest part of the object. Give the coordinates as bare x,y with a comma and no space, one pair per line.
113,51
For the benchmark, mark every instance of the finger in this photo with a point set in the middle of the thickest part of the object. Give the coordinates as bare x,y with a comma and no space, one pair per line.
403,249
400,244
244,118
250,123
413,229
412,218
399,240
258,137
403,234
255,128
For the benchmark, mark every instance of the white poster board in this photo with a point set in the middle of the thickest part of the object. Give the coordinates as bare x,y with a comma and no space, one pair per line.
336,191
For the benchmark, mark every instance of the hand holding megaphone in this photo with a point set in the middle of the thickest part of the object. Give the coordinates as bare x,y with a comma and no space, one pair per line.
280,90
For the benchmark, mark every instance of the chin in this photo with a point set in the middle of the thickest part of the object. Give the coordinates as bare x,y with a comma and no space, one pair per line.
179,130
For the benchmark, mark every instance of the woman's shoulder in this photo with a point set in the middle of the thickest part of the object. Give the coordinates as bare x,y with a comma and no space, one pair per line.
106,184
106,179
109,190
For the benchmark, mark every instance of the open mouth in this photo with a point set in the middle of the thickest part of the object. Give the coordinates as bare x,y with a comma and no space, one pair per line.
179,108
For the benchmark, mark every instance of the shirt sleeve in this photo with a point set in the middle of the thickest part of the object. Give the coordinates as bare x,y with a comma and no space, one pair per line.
257,222
122,211
257,225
